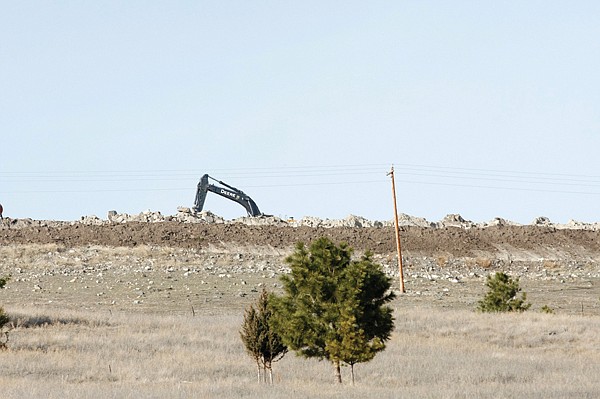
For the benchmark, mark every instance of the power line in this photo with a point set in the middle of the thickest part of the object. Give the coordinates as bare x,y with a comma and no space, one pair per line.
295,176
500,188
335,183
508,179
291,171
165,178
494,171
197,172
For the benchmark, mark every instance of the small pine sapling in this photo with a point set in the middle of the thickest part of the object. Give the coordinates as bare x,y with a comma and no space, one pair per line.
251,336
547,309
262,343
502,295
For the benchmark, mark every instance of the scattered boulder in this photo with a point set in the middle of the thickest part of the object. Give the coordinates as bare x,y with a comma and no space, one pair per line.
407,220
541,221
265,220
92,220
111,215
499,222
455,220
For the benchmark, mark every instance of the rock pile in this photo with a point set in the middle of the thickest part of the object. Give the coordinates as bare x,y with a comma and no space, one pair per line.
187,215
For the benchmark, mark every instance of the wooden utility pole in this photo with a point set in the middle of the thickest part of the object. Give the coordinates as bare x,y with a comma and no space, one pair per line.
402,290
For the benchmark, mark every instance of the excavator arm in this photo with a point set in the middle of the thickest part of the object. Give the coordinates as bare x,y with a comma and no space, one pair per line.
229,192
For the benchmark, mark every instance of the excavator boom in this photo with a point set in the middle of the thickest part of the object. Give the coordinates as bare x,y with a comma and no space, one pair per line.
229,192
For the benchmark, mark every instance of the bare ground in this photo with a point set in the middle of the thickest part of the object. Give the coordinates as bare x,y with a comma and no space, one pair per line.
171,266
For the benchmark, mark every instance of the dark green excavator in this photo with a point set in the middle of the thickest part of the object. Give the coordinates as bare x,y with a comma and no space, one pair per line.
229,192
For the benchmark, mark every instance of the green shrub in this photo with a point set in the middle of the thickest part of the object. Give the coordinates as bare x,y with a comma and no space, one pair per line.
547,309
502,295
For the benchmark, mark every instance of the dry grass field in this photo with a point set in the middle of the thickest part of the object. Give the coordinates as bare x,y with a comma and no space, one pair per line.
155,322
436,353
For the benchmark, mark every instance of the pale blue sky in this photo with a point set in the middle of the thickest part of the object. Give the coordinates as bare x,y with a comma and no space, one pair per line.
485,108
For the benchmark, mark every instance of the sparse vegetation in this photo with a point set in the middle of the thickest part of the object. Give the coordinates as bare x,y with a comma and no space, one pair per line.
438,353
502,295
442,260
547,309
550,264
333,307
484,263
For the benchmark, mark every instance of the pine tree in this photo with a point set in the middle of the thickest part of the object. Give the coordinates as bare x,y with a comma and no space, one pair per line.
262,343
365,323
353,345
502,295
333,307
251,336
272,347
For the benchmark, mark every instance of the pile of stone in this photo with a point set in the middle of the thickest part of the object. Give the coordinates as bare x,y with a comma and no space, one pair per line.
350,221
183,215
187,215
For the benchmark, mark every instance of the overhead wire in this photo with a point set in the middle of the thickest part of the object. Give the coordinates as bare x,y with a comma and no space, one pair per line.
319,174
285,169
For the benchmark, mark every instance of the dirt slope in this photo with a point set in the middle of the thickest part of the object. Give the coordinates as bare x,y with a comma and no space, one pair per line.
451,241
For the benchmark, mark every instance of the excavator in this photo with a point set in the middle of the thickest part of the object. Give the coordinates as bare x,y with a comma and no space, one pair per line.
230,193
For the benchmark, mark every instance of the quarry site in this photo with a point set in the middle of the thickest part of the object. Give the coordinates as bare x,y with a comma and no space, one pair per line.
189,259
150,306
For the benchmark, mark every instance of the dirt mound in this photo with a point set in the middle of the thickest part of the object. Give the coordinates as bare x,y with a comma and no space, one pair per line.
493,241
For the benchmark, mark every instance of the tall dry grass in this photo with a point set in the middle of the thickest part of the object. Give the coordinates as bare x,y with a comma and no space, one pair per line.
432,354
